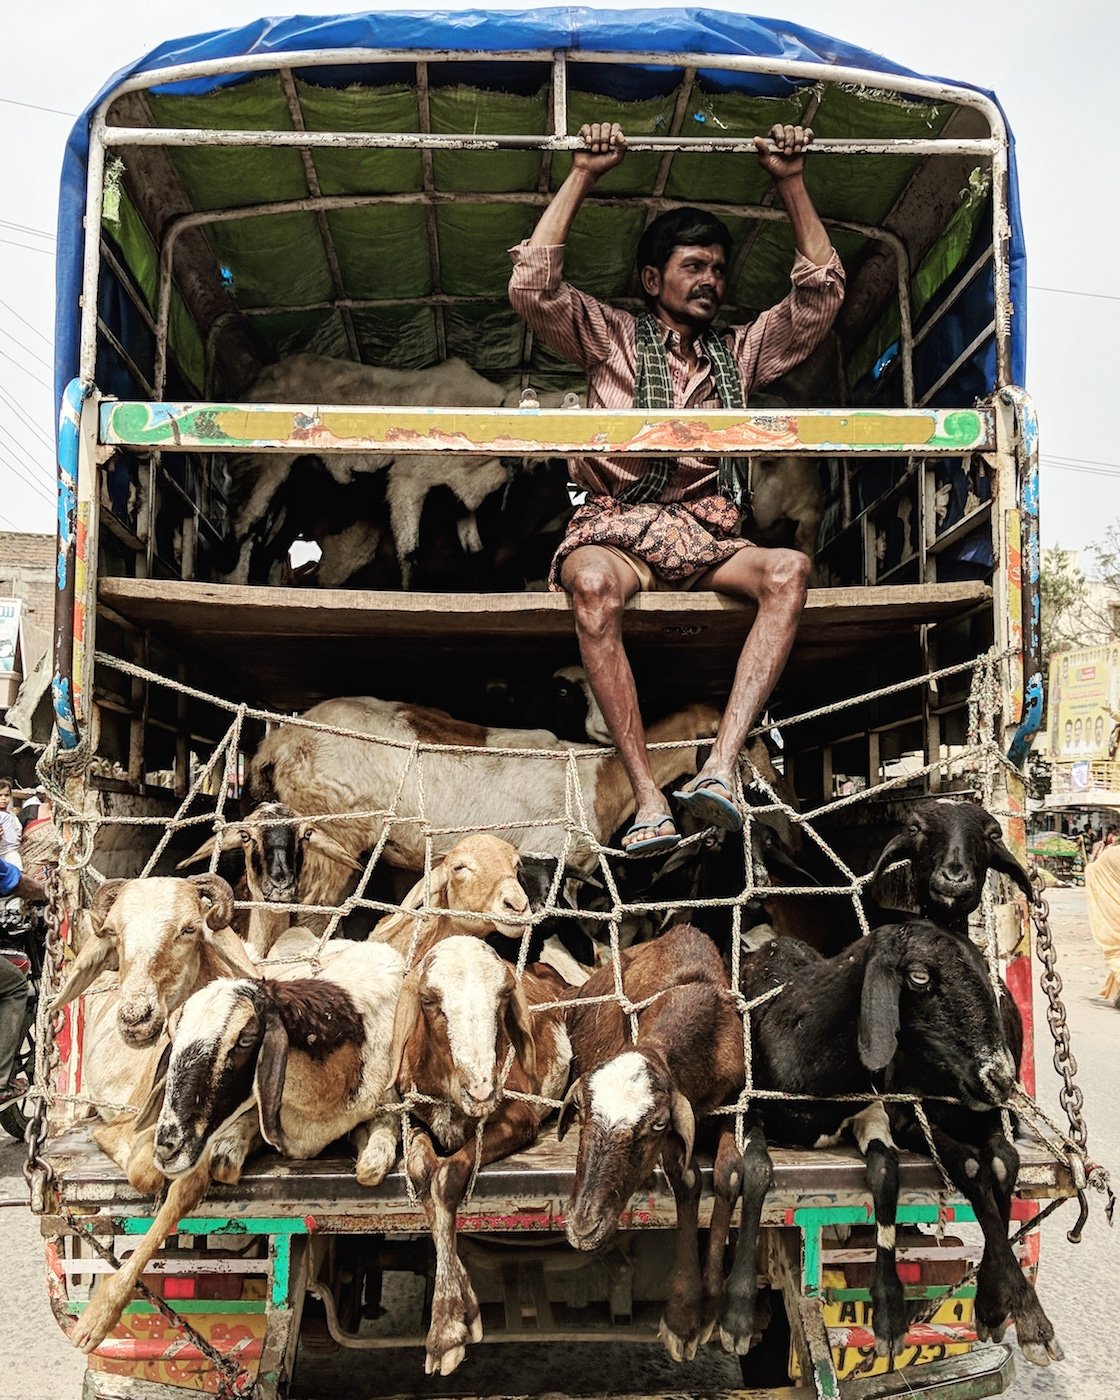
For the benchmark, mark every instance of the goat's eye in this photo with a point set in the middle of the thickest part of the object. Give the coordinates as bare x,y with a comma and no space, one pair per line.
186,931
246,1040
918,977
659,1125
459,868
246,835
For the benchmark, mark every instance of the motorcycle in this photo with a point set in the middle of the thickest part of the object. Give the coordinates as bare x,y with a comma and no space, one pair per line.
22,941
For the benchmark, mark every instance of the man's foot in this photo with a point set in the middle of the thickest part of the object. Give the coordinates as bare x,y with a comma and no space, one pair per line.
709,798
650,834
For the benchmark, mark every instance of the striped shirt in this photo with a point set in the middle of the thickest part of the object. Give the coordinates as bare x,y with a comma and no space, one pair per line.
601,340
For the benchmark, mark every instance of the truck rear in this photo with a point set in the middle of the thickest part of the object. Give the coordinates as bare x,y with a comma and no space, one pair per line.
349,189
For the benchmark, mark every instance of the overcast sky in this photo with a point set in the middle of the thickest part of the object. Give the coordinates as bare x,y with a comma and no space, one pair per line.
1051,65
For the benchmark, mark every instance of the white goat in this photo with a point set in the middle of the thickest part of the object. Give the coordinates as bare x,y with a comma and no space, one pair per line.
166,938
461,1012
318,773
476,883
315,1055
319,379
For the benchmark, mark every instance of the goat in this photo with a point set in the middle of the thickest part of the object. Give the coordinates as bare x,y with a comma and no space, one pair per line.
462,1016
314,1055
912,1006
273,839
636,1103
315,772
786,491
475,883
166,938
950,846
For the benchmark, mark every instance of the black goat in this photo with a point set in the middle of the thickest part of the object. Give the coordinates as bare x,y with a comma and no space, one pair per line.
951,845
912,1008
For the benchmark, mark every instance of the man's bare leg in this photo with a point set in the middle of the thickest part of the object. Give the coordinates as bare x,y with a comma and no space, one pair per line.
777,580
599,584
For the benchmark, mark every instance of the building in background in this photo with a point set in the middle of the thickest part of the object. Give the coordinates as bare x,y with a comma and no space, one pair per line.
27,589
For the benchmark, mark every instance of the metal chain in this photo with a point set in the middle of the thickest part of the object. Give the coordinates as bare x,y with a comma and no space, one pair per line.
234,1383
37,1170
1085,1171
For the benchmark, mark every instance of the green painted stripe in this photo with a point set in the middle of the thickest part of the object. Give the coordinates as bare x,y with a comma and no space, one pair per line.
199,1225
863,1295
813,1219
281,1254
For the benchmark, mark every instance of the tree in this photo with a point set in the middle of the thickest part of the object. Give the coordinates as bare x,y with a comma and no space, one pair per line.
1064,594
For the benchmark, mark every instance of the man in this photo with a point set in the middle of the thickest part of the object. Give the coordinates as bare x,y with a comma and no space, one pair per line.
11,833
675,525
13,983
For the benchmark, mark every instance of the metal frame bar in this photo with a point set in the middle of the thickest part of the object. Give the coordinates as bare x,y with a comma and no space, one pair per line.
184,222
996,146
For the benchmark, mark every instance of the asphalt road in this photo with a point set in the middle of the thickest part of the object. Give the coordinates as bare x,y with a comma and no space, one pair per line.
1078,1284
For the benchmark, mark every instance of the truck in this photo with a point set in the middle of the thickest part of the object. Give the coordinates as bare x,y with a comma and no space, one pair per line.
348,187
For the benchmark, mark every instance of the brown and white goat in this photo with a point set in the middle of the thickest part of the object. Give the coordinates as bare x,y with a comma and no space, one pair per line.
638,1102
474,890
166,938
462,1015
313,1054
316,772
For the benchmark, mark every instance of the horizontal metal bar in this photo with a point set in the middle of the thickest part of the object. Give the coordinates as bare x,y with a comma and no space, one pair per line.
116,136
303,428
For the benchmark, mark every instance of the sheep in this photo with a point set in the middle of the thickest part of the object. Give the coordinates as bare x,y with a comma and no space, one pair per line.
273,839
476,883
166,937
315,773
314,1054
912,1008
462,1015
636,1103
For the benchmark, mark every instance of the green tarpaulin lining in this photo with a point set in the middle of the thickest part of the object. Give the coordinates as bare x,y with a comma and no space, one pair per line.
382,251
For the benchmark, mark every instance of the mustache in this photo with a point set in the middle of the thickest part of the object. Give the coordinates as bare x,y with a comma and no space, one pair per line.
704,290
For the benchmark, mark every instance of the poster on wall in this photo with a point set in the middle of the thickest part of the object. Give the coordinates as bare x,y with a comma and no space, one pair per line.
1084,703
11,612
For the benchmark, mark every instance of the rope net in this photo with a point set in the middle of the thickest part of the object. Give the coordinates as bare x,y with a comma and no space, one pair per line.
415,818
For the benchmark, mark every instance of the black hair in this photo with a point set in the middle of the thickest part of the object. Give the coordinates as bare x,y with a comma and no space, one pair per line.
678,228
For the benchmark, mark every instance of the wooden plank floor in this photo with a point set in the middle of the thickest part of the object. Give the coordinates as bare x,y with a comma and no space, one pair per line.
289,646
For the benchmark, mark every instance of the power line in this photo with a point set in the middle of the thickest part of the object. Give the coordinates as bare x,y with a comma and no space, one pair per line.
27,247
49,442
26,322
34,107
1070,292
26,349
20,471
29,372
26,228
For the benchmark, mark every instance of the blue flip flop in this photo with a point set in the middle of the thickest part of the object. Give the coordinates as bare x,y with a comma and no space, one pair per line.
711,806
652,844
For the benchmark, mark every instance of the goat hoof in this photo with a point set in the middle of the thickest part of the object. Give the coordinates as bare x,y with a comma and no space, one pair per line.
444,1363
736,1343
96,1322
680,1348
1041,1353
226,1170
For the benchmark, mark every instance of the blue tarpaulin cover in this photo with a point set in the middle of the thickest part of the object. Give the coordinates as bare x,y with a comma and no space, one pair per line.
668,31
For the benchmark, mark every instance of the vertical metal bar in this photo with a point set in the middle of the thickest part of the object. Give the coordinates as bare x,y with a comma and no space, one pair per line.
291,96
91,255
427,161
680,111
66,590
1001,244
559,93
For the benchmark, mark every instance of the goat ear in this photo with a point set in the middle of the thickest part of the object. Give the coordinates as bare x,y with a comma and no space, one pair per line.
570,1108
387,929
897,848
97,955
1001,859
519,1025
405,1020
219,896
878,1008
148,1115
103,902
227,841
327,846
684,1123
230,948
268,1080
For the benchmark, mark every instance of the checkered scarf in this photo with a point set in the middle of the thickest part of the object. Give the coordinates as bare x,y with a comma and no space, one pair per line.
653,390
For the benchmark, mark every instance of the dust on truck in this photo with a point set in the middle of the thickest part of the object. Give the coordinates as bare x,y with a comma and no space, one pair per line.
349,188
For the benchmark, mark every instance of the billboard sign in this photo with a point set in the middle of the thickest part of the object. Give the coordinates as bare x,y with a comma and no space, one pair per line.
11,611
1084,703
